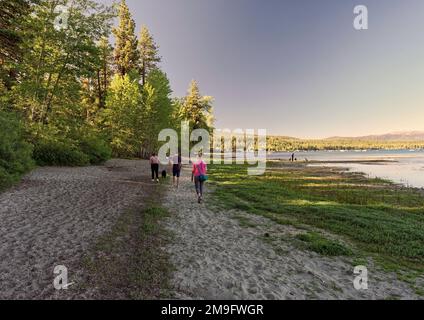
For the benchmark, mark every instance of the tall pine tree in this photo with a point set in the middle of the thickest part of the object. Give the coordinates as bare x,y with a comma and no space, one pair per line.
126,54
104,72
149,56
197,109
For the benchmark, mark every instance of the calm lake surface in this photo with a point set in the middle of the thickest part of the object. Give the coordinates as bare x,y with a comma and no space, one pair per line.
405,166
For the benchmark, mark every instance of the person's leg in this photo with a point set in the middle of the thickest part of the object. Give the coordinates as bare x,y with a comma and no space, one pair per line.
201,188
178,177
153,171
197,185
157,171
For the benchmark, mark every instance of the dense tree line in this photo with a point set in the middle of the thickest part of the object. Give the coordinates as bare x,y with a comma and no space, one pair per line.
70,97
282,144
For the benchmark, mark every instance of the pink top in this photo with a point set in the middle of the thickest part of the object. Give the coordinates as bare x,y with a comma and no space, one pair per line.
154,160
199,168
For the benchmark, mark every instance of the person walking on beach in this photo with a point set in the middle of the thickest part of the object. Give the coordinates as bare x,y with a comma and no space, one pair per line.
199,176
154,163
176,169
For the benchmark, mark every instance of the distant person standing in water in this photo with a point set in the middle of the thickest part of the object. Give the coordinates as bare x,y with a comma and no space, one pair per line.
199,176
176,169
154,163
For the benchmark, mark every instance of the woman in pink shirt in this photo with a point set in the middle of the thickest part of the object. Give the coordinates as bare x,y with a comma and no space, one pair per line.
199,176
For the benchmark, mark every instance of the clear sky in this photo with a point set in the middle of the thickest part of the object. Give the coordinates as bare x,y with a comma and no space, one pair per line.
296,67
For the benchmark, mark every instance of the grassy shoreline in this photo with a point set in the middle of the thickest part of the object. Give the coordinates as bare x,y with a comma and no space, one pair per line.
375,217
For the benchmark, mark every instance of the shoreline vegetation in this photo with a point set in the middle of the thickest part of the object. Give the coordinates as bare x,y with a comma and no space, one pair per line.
369,218
285,144
368,161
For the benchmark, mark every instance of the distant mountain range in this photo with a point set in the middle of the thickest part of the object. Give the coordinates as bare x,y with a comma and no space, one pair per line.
393,136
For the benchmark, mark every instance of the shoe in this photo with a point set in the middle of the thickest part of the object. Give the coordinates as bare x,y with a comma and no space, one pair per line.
157,180
153,180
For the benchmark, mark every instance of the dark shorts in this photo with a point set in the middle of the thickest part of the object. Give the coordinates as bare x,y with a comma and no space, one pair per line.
176,170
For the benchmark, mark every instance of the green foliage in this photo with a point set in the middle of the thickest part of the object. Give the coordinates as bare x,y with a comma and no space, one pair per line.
126,54
97,150
78,96
15,153
197,109
55,61
123,115
281,144
50,152
149,56
79,147
163,109
11,15
158,108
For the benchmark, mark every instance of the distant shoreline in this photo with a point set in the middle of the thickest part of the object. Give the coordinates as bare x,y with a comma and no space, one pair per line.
340,161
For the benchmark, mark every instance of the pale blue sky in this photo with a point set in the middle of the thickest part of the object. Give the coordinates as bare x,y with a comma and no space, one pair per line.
296,67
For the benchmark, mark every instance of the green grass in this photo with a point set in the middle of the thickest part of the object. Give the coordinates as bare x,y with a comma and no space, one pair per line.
317,243
377,217
129,262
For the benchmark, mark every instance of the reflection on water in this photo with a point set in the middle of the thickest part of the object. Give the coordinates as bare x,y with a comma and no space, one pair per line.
407,166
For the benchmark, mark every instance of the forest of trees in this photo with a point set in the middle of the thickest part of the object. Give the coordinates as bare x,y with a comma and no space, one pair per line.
71,96
281,144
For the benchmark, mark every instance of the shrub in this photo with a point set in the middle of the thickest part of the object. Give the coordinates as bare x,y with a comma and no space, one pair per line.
15,153
97,150
59,153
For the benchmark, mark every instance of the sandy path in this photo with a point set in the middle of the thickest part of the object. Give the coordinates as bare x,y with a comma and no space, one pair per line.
54,216
216,258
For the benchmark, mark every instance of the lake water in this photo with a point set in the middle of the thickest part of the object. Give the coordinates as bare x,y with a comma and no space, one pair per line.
405,166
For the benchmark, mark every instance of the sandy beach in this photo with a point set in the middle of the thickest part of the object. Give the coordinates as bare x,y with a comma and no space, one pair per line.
218,258
56,215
